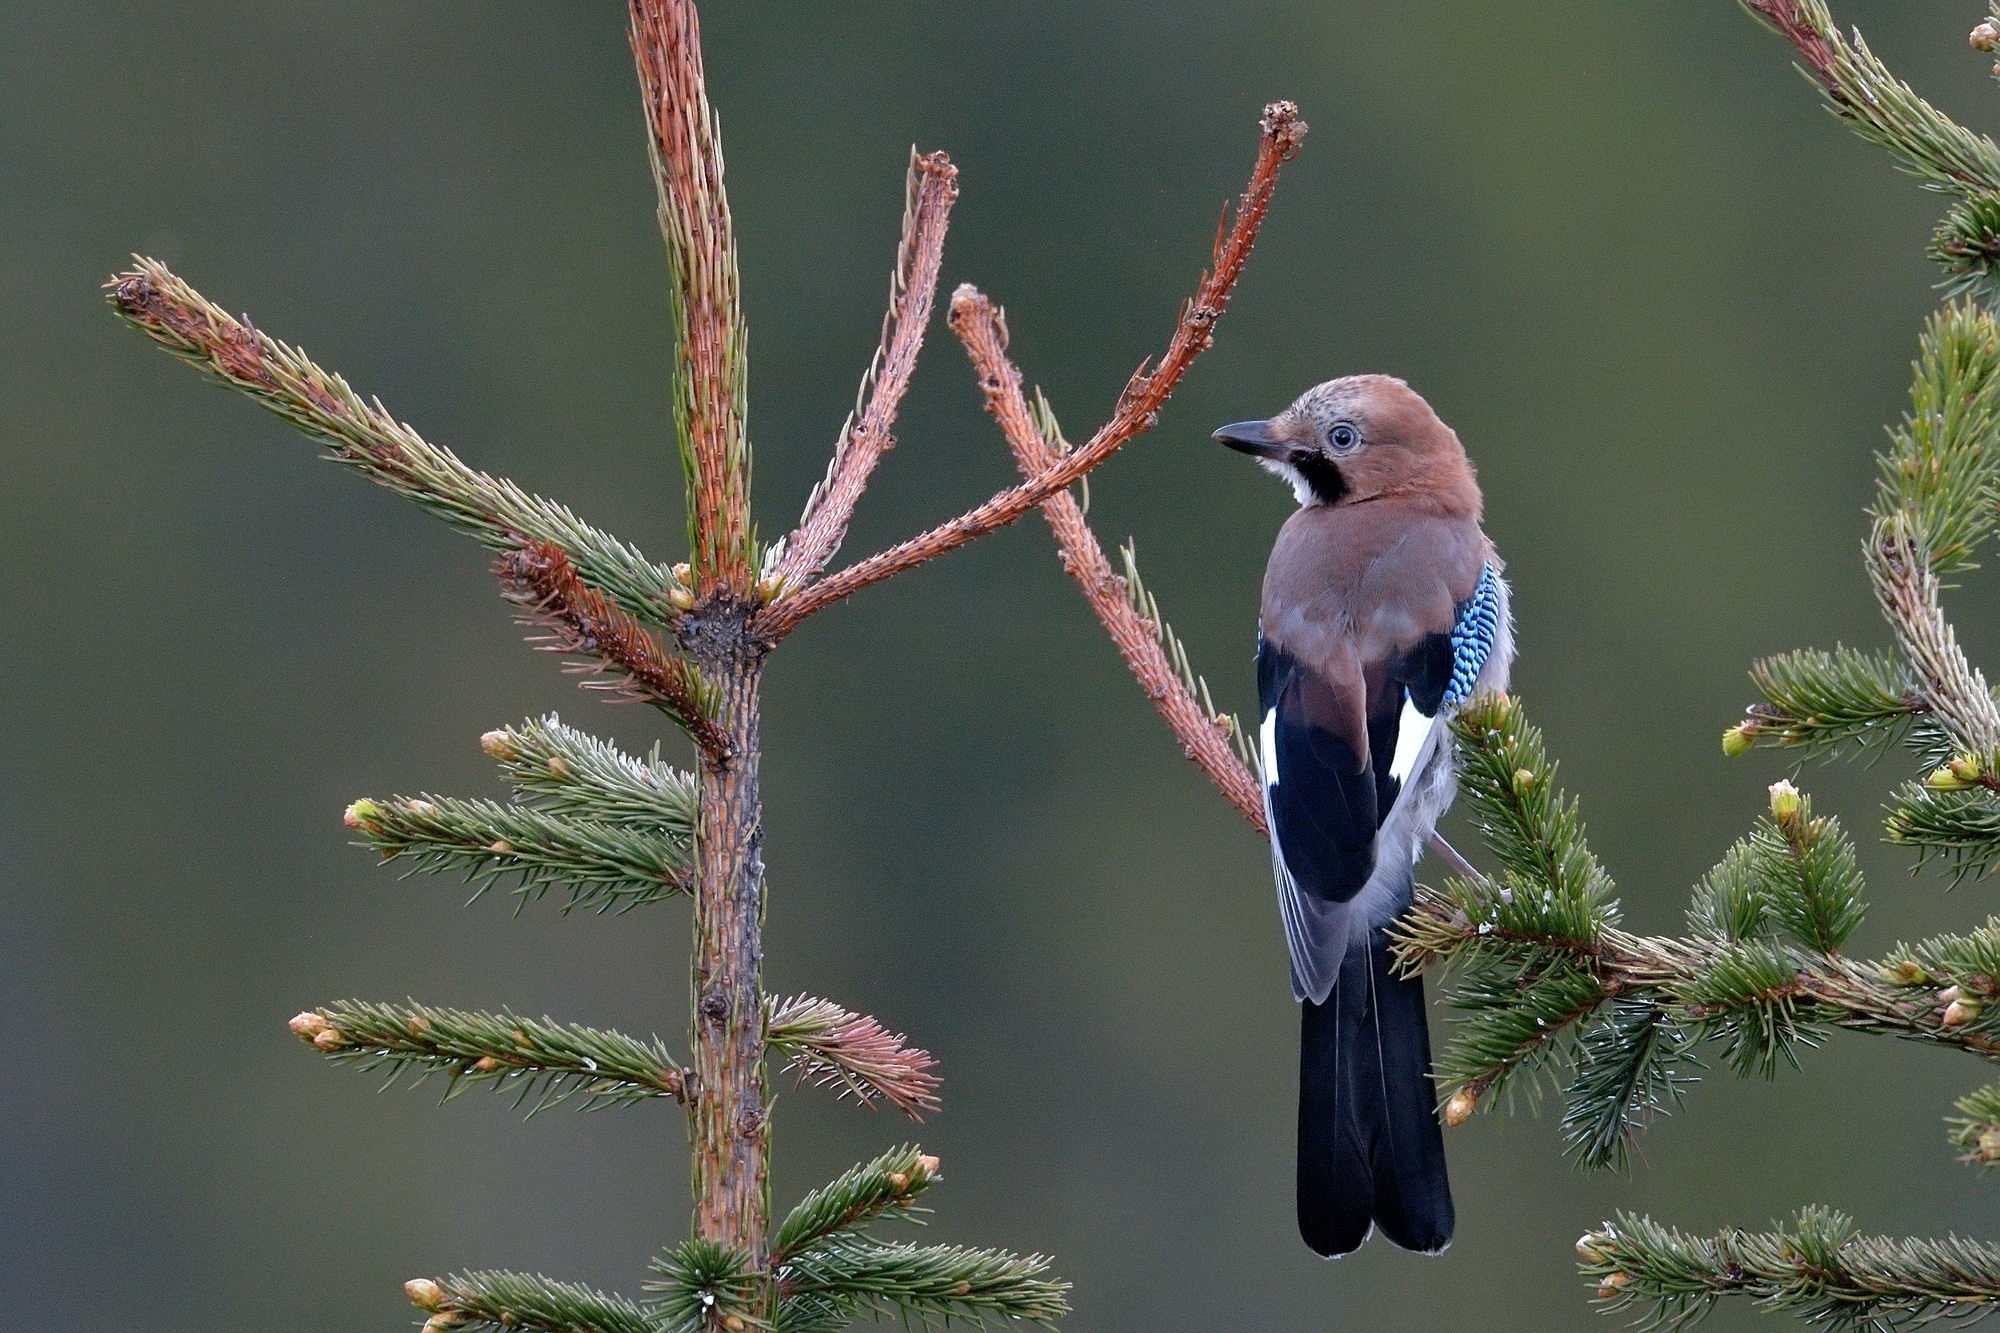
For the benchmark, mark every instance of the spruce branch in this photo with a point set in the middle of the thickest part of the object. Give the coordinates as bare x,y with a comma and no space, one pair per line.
1820,701
832,1046
364,436
538,1059
469,1302
829,1284
1816,1266
1137,410
602,866
1976,1127
1942,466
1959,826
886,1188
867,433
1541,951
1636,1063
702,1285
1214,741
577,620
567,773
1881,108
711,355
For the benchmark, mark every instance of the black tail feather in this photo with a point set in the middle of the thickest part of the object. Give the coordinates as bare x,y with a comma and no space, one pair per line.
1370,1147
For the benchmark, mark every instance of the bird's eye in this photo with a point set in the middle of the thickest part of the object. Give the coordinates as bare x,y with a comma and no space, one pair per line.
1343,438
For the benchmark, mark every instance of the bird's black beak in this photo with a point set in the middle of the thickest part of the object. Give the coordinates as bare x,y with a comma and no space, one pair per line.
1254,438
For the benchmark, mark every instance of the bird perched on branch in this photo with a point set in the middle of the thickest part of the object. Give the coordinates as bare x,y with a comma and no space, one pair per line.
1383,610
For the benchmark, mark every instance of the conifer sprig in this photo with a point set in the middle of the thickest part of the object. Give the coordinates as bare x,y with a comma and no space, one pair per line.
834,1047
828,1285
886,1188
605,641
363,435
1760,973
601,866
543,1062
1976,1127
1816,1266
517,1302
569,773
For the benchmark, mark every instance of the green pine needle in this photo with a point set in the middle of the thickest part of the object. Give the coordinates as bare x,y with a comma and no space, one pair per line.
539,1060
1820,701
601,866
523,1301
565,772
887,1187
828,1285
1816,1267
1632,1065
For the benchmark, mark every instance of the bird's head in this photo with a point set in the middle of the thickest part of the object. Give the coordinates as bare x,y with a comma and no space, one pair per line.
1359,438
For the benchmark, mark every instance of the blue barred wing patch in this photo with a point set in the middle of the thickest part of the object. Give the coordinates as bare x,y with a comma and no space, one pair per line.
1473,637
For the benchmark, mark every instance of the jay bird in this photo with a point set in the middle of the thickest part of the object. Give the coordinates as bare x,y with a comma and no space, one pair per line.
1383,610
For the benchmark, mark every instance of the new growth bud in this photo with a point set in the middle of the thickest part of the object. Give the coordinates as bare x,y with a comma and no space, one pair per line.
420,808
329,1039
1960,773
307,1025
362,814
1590,1247
1738,740
1613,1284
1985,36
1523,780
1459,1109
498,744
1960,1012
930,1166
424,1293
1905,972
1785,801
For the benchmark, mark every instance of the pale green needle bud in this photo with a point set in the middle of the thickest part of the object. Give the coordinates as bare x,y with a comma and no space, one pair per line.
362,814
1905,972
1785,801
1738,740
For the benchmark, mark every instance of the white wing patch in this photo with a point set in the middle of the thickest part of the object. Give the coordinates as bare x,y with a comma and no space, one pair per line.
1412,730
1267,748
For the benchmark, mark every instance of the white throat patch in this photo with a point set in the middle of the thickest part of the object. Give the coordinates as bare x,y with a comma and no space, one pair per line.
1300,486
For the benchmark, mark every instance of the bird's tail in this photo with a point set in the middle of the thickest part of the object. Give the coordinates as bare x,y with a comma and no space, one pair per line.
1370,1149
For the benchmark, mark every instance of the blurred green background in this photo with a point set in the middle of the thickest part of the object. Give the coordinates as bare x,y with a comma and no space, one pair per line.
1666,301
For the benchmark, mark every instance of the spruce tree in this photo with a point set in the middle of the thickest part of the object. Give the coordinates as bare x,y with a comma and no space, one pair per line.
608,831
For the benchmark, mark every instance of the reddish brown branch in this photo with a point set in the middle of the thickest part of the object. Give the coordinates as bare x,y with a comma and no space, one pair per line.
1137,411
1791,23
979,325
579,620
867,435
701,246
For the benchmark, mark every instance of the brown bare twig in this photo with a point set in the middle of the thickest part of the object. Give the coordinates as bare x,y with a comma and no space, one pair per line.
866,435
981,327
579,620
1137,411
701,247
